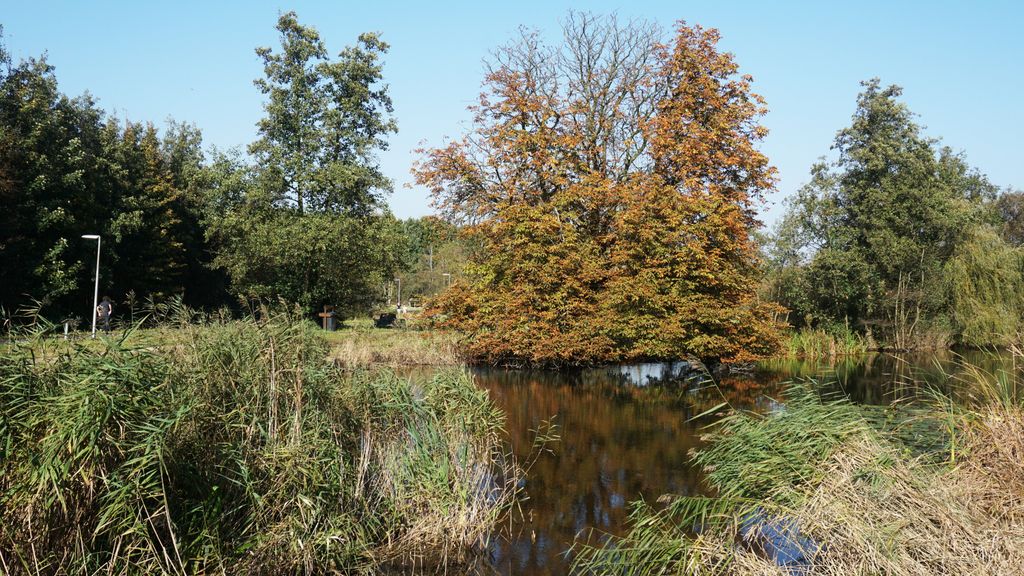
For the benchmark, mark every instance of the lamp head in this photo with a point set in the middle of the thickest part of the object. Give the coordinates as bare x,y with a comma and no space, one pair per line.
91,236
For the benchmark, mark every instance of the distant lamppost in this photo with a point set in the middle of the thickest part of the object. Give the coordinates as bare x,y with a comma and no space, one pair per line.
96,291
447,279
399,280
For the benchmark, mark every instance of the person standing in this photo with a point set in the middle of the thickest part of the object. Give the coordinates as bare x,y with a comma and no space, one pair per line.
103,312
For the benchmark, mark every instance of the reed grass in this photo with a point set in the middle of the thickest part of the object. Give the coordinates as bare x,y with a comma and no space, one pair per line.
848,490
239,449
819,343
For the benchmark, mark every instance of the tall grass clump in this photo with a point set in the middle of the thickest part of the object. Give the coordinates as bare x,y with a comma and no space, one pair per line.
820,343
826,487
240,449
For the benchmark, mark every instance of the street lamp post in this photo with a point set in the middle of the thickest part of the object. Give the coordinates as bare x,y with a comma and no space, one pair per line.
96,290
399,280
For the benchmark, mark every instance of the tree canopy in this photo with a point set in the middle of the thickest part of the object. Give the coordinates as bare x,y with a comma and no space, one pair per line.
307,222
324,121
610,186
601,207
67,169
869,239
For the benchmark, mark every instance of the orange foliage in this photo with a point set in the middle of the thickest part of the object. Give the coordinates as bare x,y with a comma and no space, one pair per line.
611,209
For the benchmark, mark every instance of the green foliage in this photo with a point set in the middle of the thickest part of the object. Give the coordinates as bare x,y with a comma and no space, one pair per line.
305,222
985,276
47,182
309,259
146,217
66,170
866,241
238,449
432,257
324,122
174,223
1010,207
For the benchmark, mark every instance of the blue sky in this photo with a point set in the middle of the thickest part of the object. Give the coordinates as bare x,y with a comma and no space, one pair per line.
961,65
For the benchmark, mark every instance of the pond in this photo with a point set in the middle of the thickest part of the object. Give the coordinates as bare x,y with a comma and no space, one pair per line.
625,434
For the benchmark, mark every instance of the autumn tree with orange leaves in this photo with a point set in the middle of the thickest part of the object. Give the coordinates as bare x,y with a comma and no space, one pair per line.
609,188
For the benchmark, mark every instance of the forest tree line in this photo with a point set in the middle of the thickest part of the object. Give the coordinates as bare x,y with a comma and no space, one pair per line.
301,217
601,207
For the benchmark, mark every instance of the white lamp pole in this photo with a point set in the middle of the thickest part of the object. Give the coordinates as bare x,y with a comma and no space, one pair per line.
399,280
96,291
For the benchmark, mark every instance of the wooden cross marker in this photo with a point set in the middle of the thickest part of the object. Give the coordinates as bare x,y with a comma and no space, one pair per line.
327,313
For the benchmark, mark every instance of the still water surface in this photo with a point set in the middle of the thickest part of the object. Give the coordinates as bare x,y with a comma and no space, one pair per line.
625,434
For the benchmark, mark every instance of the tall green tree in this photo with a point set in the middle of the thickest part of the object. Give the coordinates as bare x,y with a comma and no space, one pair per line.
874,228
324,122
145,218
307,222
181,147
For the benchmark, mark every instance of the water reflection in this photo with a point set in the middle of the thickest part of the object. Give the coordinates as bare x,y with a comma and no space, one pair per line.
880,379
649,373
626,431
624,434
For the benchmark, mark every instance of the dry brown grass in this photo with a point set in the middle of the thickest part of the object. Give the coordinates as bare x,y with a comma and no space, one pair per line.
991,476
866,508
878,512
370,347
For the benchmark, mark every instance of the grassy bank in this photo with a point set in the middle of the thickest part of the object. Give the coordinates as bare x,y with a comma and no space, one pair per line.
239,449
826,487
359,344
